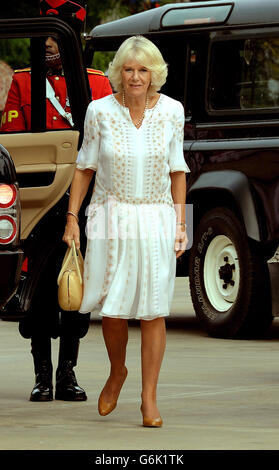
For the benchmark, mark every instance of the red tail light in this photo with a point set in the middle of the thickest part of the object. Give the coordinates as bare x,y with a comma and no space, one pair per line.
7,195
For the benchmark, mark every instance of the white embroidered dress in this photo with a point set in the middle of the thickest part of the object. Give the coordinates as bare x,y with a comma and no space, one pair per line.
130,260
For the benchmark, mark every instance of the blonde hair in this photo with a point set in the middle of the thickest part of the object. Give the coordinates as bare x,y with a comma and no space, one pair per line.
145,53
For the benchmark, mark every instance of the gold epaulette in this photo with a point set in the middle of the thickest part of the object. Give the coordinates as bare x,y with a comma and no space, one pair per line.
23,70
95,72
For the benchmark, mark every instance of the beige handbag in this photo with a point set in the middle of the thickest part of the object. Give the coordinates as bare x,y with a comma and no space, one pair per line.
70,280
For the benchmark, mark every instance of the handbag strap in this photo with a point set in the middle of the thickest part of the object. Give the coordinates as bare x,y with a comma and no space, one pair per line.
76,253
72,253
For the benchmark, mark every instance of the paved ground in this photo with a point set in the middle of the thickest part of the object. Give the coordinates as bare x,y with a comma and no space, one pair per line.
213,394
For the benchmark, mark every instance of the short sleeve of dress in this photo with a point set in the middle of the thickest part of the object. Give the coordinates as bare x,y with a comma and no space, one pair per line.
176,156
89,152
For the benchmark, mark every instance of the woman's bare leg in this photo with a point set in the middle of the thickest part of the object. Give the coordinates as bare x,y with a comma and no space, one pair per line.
115,332
153,344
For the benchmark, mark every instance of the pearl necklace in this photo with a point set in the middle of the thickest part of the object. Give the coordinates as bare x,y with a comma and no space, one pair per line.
139,122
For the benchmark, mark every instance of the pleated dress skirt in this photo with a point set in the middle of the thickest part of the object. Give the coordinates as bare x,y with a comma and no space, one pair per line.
130,261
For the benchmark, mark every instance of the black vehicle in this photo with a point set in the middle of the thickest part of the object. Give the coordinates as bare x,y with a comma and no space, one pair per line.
36,169
223,61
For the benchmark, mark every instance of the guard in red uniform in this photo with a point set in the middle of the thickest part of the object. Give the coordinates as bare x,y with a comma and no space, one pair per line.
17,112
42,326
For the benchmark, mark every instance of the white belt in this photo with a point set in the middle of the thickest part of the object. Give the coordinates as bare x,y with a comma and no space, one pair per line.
51,96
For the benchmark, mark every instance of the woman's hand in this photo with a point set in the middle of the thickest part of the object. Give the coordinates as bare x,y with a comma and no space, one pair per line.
181,240
178,190
72,232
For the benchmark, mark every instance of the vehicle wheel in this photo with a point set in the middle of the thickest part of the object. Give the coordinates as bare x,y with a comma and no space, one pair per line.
229,280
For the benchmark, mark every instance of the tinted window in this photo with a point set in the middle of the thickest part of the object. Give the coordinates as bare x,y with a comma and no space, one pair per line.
244,75
14,54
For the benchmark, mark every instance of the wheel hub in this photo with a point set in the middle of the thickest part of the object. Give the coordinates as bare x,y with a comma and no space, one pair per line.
226,273
221,273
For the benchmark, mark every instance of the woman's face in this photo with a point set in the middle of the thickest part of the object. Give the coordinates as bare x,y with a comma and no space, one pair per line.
135,79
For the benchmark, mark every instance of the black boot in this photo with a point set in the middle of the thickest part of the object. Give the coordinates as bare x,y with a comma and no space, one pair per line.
41,351
67,387
42,390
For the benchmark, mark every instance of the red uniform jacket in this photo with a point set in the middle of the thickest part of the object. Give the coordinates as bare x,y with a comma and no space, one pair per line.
17,112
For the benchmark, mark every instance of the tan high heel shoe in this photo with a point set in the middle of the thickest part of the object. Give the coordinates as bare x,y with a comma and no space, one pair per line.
105,407
152,422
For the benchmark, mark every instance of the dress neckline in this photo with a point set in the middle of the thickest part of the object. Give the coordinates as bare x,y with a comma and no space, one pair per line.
126,107
126,110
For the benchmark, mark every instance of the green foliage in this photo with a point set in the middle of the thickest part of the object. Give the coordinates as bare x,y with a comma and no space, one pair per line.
15,52
102,12
101,60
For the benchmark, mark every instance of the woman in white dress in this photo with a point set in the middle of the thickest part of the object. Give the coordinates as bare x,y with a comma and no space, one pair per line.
136,228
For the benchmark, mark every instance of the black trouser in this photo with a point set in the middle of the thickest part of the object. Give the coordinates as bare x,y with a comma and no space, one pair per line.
42,326
46,320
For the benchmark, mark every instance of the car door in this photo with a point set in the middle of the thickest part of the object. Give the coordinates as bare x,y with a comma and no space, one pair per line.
44,157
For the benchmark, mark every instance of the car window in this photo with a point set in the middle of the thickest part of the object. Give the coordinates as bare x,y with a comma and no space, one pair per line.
246,75
27,65
14,56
